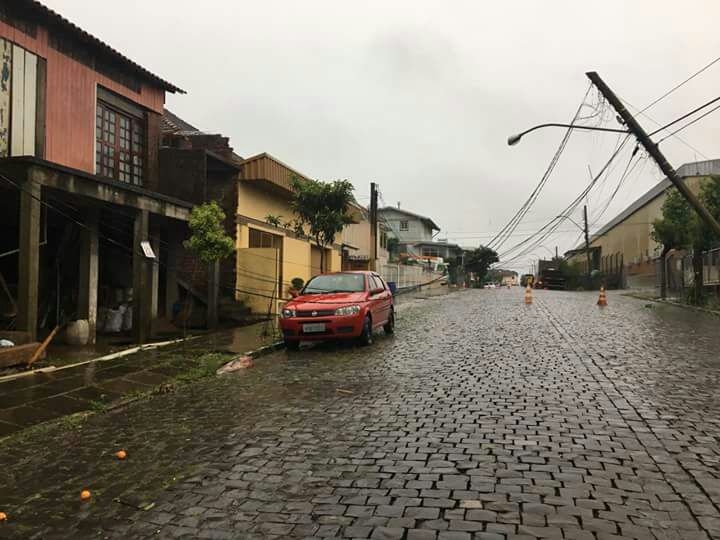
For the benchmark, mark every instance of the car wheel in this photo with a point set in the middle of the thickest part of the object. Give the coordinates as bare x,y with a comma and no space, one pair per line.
366,337
292,345
390,324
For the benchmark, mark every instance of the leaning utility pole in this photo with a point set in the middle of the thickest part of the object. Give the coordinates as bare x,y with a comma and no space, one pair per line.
652,149
586,230
373,225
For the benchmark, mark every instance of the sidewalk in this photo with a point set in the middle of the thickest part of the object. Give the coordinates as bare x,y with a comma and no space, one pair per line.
45,395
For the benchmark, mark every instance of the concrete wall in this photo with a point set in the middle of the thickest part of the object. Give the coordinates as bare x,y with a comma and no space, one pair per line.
358,236
257,274
405,276
257,202
299,258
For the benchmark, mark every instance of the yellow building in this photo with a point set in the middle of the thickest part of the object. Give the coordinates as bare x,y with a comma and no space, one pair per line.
357,241
270,256
628,236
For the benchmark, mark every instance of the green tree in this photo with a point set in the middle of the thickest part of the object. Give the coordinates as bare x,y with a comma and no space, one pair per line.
478,261
676,229
681,228
393,247
322,210
208,240
275,221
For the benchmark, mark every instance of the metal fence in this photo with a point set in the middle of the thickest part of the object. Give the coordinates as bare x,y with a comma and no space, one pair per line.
679,275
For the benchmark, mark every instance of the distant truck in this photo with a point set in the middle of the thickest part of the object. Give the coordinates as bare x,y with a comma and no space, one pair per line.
550,276
526,279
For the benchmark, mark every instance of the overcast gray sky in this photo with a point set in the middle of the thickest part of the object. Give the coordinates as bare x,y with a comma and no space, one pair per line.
420,96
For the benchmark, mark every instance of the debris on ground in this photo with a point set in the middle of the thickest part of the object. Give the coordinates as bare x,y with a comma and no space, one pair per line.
243,362
344,392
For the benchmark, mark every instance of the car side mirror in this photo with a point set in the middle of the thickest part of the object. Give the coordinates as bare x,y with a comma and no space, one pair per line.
377,291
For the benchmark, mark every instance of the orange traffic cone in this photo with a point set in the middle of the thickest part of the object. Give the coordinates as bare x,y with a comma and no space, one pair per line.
528,294
602,301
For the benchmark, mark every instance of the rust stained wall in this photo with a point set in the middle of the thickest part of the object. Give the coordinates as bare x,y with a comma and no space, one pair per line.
70,101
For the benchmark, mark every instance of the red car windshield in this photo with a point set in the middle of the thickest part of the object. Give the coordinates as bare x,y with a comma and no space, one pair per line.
335,283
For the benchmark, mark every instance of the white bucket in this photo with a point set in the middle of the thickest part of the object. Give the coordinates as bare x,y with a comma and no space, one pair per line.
77,332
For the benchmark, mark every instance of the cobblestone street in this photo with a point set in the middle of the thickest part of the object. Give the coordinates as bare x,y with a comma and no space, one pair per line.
482,418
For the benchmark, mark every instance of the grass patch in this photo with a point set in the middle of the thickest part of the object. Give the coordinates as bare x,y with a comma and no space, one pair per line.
206,366
98,406
200,367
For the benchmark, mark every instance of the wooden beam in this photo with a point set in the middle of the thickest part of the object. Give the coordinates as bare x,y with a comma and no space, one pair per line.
29,257
106,192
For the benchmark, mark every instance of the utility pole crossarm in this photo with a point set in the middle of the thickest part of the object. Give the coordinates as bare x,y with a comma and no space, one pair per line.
652,148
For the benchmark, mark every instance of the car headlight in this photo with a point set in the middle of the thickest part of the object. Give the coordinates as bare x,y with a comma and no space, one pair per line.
287,313
347,310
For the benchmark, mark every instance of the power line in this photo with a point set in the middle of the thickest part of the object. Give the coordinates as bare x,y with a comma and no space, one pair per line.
623,176
501,237
686,115
67,216
691,122
548,229
679,85
654,121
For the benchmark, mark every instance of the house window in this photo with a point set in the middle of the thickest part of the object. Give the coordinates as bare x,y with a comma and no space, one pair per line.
262,239
119,145
430,252
404,226
383,240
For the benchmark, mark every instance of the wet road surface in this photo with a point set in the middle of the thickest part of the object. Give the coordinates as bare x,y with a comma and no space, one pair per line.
482,418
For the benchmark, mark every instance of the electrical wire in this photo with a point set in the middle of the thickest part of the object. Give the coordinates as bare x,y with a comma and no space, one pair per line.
549,228
68,217
623,176
686,115
654,121
679,85
691,122
510,227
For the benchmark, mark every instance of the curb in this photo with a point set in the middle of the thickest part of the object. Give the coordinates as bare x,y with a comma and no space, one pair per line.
265,350
675,304
256,353
112,356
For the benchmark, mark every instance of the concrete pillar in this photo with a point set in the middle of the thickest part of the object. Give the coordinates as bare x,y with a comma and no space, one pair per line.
171,270
213,294
155,278
88,272
29,258
141,279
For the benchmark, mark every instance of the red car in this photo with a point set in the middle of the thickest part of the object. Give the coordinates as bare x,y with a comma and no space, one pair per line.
341,305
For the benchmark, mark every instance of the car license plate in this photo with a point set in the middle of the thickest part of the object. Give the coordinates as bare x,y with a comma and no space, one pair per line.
313,327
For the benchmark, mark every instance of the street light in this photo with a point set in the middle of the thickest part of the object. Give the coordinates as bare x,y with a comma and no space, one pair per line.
514,139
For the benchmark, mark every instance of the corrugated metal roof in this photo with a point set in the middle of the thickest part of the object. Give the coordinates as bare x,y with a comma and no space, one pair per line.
92,40
687,170
270,157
